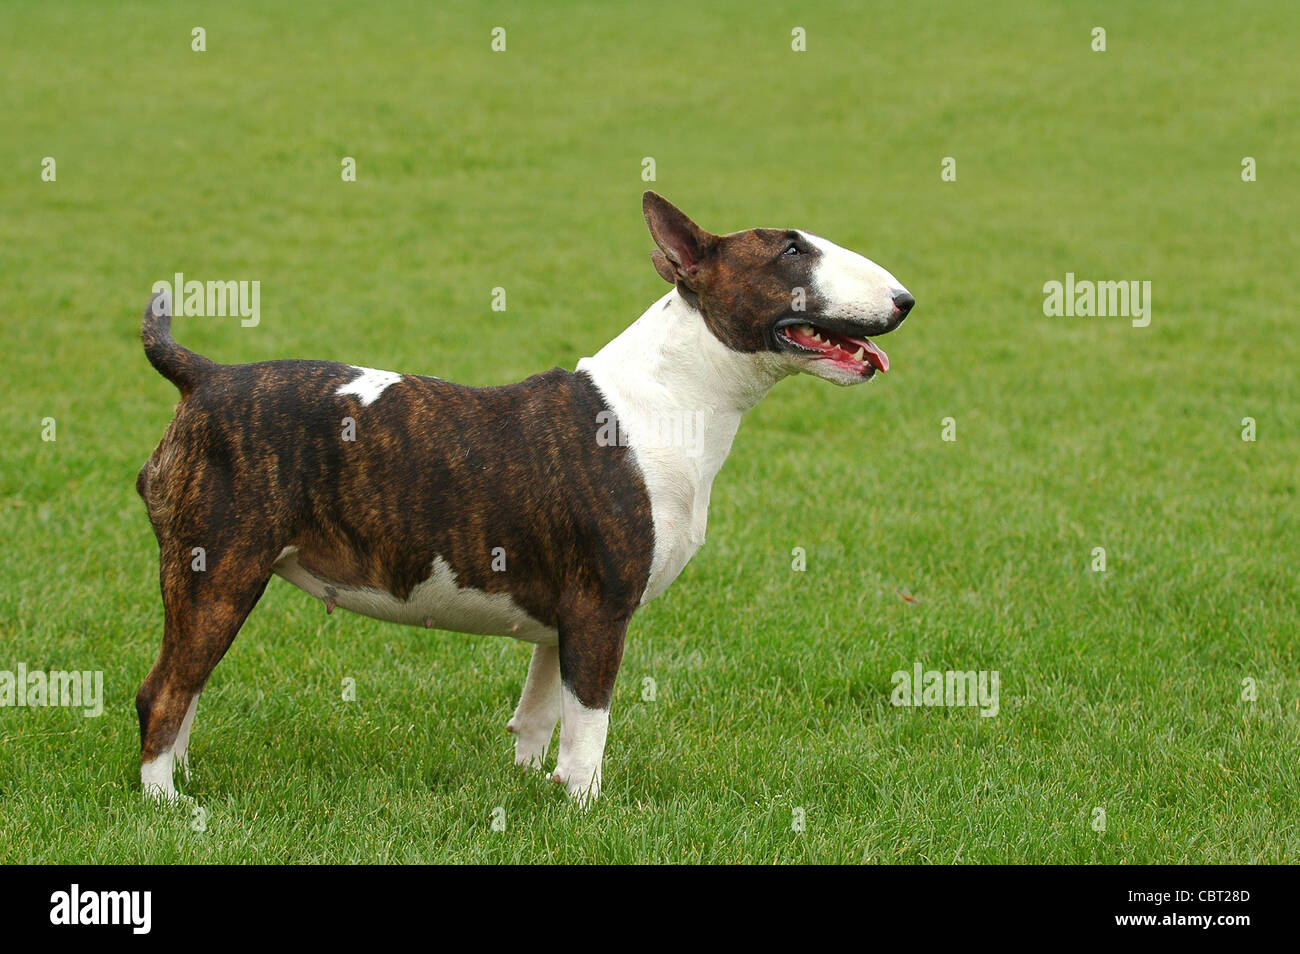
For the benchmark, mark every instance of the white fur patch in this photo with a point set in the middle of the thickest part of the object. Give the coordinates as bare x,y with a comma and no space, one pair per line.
156,777
854,288
369,385
582,748
534,720
437,601
182,744
669,363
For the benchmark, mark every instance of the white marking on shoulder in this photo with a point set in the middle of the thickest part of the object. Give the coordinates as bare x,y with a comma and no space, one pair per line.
371,383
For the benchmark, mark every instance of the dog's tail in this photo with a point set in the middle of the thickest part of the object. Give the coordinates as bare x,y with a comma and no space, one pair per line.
178,365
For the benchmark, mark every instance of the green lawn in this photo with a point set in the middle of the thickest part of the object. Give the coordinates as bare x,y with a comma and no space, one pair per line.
1121,690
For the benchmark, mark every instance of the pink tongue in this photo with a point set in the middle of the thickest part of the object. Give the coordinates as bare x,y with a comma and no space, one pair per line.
876,357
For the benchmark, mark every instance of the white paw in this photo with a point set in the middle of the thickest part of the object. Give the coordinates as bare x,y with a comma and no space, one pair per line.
166,796
530,745
583,786
156,778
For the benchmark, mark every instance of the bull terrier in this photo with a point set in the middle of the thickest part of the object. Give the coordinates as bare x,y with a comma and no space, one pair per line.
513,511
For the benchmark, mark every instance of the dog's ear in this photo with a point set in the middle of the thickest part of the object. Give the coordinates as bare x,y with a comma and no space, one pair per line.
684,248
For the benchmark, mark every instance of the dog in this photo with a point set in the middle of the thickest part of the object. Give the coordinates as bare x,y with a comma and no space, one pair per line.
547,510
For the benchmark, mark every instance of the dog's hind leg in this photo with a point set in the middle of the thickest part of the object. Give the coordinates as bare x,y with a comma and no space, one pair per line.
534,720
204,609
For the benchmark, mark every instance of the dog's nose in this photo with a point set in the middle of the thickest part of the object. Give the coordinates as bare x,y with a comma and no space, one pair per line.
903,301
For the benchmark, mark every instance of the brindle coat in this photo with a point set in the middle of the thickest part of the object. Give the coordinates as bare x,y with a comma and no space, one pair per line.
254,462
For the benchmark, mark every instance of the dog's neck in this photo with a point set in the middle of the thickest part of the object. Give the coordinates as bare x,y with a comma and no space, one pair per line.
671,346
668,367
669,361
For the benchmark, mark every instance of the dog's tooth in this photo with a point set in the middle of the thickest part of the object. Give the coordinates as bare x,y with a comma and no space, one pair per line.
860,353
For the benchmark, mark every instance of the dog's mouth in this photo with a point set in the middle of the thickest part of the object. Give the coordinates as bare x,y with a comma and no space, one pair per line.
857,355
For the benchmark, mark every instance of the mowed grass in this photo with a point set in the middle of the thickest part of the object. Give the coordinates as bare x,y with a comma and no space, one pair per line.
1120,690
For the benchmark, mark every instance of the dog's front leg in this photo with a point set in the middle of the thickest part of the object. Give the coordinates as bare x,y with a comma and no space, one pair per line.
591,649
534,720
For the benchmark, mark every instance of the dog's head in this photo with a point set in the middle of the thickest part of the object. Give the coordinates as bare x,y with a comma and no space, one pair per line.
781,292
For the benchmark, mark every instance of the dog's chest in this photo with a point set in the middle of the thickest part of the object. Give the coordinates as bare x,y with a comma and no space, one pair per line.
671,386
679,492
437,602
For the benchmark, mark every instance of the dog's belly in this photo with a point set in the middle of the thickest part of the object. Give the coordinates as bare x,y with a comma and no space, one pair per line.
436,602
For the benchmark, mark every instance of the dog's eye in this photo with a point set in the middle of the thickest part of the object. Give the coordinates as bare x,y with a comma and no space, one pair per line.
792,249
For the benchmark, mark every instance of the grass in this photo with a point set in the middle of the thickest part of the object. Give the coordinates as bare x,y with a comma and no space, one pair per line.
1120,690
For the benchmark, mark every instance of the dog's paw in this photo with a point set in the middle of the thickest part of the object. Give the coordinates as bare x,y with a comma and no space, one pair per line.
161,796
583,787
530,745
